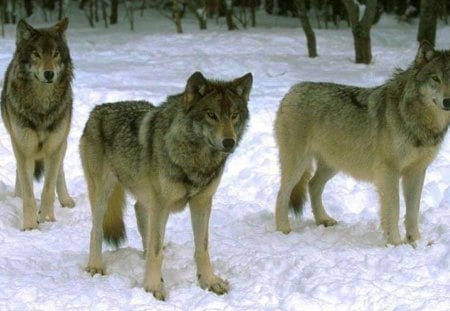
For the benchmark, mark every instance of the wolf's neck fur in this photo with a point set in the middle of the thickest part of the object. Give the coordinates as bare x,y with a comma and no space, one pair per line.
423,124
197,160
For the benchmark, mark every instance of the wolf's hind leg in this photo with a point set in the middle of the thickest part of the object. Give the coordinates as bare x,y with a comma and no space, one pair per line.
200,207
18,186
142,220
61,189
99,192
292,169
412,188
46,212
322,175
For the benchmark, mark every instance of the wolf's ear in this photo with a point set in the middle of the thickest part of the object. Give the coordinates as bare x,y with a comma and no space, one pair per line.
195,87
243,85
24,31
61,26
425,53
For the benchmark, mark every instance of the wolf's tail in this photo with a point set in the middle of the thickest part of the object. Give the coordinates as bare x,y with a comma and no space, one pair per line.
113,226
299,193
38,169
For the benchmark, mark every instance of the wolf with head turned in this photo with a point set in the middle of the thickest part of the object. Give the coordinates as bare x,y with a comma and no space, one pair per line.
382,134
166,157
36,107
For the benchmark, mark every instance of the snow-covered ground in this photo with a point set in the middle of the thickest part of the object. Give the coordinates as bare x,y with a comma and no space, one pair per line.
346,267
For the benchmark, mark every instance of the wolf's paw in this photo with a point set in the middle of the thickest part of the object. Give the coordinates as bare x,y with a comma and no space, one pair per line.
326,222
394,240
412,237
44,217
286,229
93,270
30,225
157,291
67,202
215,285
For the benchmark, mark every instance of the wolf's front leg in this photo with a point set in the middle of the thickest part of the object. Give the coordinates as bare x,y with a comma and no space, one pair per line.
24,184
153,282
412,188
387,182
200,211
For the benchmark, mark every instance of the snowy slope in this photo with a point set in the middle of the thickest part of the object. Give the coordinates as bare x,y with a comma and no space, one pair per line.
346,267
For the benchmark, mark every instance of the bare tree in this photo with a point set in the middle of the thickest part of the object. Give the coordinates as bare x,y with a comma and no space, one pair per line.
114,12
2,15
428,21
228,6
309,32
201,18
130,13
361,29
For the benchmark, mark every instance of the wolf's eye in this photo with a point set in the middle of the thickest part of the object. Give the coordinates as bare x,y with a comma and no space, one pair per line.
36,54
234,116
212,115
56,54
436,78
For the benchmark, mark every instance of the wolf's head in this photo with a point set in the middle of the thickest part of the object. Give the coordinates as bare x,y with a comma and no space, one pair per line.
43,53
433,76
217,110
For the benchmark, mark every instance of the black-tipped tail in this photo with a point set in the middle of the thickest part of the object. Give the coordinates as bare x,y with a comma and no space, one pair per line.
299,194
114,232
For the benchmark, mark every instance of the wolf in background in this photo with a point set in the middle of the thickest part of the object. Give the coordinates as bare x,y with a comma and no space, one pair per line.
36,106
381,134
166,157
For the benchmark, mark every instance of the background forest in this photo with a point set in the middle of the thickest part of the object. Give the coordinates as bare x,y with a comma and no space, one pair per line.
242,14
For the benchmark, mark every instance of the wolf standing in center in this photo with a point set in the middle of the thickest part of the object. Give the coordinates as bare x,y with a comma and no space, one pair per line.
166,157
380,134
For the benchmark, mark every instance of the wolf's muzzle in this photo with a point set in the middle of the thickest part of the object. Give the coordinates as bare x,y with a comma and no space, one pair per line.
48,75
228,144
446,103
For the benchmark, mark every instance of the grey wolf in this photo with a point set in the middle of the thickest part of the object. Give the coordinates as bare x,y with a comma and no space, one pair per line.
166,157
382,134
36,105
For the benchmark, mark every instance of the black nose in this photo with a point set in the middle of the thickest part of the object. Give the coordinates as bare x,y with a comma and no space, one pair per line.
228,143
447,103
48,75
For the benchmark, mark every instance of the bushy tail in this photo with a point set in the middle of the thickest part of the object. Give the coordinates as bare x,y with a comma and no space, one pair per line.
299,193
113,226
38,169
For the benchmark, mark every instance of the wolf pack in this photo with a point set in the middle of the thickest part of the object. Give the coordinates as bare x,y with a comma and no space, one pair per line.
173,155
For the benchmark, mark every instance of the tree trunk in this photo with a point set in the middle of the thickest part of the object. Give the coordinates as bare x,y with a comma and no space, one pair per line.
361,29
28,4
60,9
2,16
309,32
201,19
362,43
176,16
428,21
130,13
229,14
114,14
253,12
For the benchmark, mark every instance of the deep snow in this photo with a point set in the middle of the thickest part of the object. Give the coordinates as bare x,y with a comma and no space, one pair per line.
346,267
